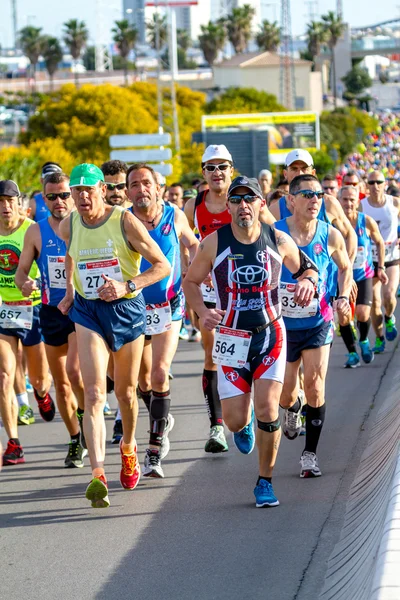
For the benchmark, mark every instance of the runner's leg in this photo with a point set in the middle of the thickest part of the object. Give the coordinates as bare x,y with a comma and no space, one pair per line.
8,404
66,401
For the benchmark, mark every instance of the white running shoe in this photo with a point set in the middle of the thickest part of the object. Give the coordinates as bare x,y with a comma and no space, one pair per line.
293,423
152,464
165,444
309,465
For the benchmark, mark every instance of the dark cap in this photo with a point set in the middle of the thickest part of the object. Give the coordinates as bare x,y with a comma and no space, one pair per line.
249,182
9,188
50,168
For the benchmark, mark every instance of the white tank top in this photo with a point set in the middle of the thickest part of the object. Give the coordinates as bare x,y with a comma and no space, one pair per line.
386,217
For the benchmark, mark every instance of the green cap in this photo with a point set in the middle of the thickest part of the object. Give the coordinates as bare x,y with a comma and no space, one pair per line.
86,174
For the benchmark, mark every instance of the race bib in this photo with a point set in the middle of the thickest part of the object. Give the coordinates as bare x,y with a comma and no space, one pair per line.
158,318
208,293
56,268
292,310
231,347
16,315
360,258
391,251
90,274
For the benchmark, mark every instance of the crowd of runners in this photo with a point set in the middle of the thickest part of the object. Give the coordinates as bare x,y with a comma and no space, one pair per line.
105,270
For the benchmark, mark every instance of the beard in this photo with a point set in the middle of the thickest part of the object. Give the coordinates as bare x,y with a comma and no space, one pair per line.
245,223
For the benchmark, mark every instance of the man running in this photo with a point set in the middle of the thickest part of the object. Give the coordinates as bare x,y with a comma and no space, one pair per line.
385,210
19,320
165,304
245,258
363,271
37,204
114,172
43,245
310,329
104,244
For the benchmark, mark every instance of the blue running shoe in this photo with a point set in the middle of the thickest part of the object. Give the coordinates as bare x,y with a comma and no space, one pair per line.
379,346
245,439
264,493
391,331
28,385
366,353
353,361
107,409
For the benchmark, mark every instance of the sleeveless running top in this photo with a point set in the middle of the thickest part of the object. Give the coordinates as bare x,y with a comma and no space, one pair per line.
41,212
51,263
166,237
285,212
205,221
386,217
10,251
318,251
101,248
363,267
246,279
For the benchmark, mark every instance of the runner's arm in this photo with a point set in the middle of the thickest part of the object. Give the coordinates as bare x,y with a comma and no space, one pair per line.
64,233
189,212
266,215
29,252
275,211
376,237
342,224
341,259
396,204
186,235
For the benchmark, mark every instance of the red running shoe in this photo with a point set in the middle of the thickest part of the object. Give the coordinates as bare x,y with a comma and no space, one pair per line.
14,454
130,472
97,492
46,406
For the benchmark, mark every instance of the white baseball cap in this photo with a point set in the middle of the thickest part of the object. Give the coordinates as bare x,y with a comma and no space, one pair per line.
215,151
302,155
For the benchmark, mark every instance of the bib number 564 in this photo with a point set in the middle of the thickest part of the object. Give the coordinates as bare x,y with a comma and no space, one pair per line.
224,348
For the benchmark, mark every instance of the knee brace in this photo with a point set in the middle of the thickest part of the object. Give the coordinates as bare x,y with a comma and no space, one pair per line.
269,427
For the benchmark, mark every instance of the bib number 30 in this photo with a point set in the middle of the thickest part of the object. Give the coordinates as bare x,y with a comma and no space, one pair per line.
231,347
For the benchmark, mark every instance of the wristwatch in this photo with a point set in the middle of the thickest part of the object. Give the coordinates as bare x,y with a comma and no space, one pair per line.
382,268
311,279
343,298
131,285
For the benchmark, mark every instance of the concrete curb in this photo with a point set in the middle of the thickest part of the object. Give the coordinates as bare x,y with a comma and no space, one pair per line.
365,563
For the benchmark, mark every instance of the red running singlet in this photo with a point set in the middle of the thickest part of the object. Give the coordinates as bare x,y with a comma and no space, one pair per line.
205,221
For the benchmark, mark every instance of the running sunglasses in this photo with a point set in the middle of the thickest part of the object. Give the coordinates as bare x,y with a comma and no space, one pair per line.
221,167
378,181
308,194
237,199
112,186
62,195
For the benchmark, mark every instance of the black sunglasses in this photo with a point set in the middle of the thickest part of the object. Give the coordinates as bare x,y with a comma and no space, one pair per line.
62,195
221,167
237,199
112,186
378,181
308,194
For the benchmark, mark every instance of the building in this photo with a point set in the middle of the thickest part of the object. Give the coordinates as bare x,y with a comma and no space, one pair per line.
134,12
261,70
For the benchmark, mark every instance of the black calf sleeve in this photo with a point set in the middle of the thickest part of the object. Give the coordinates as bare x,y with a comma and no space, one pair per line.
348,338
363,328
269,427
159,409
210,391
146,397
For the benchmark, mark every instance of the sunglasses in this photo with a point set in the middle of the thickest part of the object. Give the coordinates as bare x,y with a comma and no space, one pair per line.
308,194
237,199
212,168
115,186
378,182
61,195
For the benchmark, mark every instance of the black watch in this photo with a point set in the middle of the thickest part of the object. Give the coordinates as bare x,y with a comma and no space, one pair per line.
131,285
311,279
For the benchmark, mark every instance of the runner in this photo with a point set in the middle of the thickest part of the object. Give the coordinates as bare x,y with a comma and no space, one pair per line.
385,210
363,271
109,314
265,181
114,172
245,258
310,329
175,195
37,205
330,185
165,302
19,320
43,245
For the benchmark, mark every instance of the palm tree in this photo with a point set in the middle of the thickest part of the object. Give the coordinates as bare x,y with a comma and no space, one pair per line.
238,26
75,37
160,22
334,27
269,36
125,36
316,36
30,41
212,40
52,54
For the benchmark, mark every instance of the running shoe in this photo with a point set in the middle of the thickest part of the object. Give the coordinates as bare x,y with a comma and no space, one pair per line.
107,409
309,465
83,440
245,439
264,493
391,331
46,406
152,464
184,334
14,454
75,456
195,336
130,471
25,415
28,385
353,361
379,346
366,353
97,492
117,432
216,441
165,443
293,422
170,376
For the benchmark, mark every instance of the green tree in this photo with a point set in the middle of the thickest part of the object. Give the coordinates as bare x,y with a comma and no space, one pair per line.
212,40
357,80
160,22
243,100
89,58
125,36
269,36
183,39
238,26
76,36
343,127
335,28
30,41
52,54
316,36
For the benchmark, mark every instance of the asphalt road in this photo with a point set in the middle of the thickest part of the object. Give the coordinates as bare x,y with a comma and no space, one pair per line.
195,534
